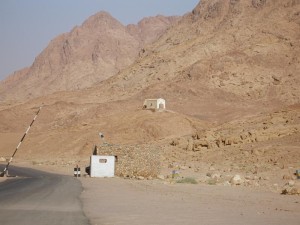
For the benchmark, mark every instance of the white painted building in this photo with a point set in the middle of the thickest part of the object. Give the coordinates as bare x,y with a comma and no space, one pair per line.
102,166
158,103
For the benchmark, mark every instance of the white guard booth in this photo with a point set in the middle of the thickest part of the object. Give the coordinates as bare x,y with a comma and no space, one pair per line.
102,166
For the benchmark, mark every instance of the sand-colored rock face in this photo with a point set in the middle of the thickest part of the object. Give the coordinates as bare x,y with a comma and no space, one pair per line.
229,72
245,49
90,53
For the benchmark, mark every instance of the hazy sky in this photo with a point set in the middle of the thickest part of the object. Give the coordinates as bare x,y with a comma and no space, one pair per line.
27,26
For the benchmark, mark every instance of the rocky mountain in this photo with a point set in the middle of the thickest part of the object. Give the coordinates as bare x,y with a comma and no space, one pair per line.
233,50
223,60
88,54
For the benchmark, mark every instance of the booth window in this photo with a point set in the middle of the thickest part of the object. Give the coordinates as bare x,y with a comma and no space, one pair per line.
102,160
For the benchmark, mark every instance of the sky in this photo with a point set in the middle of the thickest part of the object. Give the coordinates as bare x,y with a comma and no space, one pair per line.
26,27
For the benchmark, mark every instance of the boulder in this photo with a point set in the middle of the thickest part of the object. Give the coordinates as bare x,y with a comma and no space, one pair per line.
291,191
2,159
183,167
174,142
288,177
291,183
255,152
291,188
190,145
216,176
218,143
244,136
228,141
236,180
198,135
161,177
201,144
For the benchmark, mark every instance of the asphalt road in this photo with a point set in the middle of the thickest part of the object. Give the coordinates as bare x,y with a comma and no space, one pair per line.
40,198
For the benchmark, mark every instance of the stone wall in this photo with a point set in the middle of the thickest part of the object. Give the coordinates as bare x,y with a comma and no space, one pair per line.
134,161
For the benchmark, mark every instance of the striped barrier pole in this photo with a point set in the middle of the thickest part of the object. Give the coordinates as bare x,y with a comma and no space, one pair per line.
11,158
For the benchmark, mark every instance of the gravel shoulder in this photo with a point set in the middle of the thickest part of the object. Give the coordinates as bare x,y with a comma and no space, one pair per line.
120,201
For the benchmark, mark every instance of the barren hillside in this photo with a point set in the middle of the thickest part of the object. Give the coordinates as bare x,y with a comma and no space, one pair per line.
226,50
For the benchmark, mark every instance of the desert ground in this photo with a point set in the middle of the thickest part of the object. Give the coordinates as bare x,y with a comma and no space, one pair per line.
156,201
119,201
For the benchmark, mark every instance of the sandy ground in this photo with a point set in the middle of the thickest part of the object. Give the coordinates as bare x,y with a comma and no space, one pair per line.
123,201
119,201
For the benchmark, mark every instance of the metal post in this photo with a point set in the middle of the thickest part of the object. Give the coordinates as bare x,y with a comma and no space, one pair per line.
77,172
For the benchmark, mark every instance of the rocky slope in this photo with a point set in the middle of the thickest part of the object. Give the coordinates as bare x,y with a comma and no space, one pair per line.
243,50
88,54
